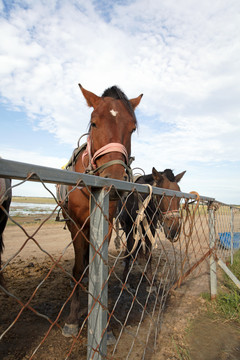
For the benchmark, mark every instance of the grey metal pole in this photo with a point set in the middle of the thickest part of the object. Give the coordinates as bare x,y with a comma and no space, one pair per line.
98,272
232,233
213,264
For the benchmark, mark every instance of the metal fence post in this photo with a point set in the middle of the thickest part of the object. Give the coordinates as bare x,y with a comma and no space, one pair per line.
232,232
213,264
98,272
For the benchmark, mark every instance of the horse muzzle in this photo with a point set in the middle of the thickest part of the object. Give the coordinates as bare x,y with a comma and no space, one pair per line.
172,226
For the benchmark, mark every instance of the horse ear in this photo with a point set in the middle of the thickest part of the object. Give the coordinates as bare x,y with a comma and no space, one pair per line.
156,175
179,176
91,98
135,102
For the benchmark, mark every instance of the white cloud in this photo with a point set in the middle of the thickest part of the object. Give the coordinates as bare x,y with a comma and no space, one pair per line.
32,157
184,56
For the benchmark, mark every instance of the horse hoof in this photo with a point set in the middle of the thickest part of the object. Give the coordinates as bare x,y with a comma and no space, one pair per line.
70,330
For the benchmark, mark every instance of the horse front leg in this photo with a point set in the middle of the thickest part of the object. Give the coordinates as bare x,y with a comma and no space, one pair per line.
129,245
148,257
130,255
71,326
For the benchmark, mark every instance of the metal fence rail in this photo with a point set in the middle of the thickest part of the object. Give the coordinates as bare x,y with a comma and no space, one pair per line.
128,308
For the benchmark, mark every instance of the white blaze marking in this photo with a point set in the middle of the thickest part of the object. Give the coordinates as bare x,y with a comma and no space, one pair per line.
113,112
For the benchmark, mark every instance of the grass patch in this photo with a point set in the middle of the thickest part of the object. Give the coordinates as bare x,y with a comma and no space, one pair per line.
235,268
228,304
33,200
228,301
31,220
182,352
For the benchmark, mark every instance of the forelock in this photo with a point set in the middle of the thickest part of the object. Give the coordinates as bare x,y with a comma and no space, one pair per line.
116,93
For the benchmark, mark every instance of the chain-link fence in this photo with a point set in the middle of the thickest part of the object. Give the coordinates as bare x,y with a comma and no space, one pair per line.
127,280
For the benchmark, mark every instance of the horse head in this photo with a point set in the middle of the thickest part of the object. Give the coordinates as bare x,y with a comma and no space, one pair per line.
112,123
169,205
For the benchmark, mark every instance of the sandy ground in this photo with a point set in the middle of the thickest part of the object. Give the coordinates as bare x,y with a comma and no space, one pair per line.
208,339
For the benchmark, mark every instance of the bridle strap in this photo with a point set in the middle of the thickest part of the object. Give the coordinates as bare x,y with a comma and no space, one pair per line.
166,214
171,214
106,165
111,147
106,149
87,151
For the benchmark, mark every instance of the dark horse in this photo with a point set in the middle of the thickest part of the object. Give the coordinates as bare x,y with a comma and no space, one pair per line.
107,155
5,201
160,208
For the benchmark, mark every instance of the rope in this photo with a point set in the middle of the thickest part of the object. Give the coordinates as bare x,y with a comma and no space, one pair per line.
188,213
137,230
188,235
141,218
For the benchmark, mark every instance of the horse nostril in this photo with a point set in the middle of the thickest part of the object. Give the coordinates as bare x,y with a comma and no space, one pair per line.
124,178
107,176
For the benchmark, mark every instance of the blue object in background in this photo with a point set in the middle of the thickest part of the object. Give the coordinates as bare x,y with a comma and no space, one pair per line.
225,240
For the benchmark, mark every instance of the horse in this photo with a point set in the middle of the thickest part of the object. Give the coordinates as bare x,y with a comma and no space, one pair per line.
160,208
5,201
107,155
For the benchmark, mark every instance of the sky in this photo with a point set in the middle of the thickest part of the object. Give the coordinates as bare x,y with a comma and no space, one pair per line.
183,55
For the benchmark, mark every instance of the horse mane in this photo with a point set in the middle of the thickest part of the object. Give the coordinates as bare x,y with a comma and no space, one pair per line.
169,174
148,179
116,93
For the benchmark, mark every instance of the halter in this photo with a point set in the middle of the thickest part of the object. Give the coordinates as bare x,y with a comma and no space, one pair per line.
142,219
171,214
92,168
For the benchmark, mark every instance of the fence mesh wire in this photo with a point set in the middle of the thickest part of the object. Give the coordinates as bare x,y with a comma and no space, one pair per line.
39,285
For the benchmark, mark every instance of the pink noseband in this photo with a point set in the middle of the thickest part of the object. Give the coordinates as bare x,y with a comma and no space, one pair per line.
111,147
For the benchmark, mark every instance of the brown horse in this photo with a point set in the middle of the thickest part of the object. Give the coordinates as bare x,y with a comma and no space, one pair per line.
160,208
107,155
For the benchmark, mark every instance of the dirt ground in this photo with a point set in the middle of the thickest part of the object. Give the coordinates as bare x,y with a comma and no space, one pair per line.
206,338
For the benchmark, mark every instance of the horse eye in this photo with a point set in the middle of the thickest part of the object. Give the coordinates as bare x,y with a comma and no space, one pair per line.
93,124
133,130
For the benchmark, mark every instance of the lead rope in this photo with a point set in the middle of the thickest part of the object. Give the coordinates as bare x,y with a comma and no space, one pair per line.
137,230
141,218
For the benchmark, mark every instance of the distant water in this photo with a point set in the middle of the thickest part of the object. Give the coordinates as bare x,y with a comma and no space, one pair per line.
19,208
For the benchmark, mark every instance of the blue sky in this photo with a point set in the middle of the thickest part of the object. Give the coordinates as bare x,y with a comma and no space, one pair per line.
184,56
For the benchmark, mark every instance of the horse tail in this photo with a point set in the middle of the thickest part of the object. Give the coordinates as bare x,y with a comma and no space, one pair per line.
1,250
3,221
